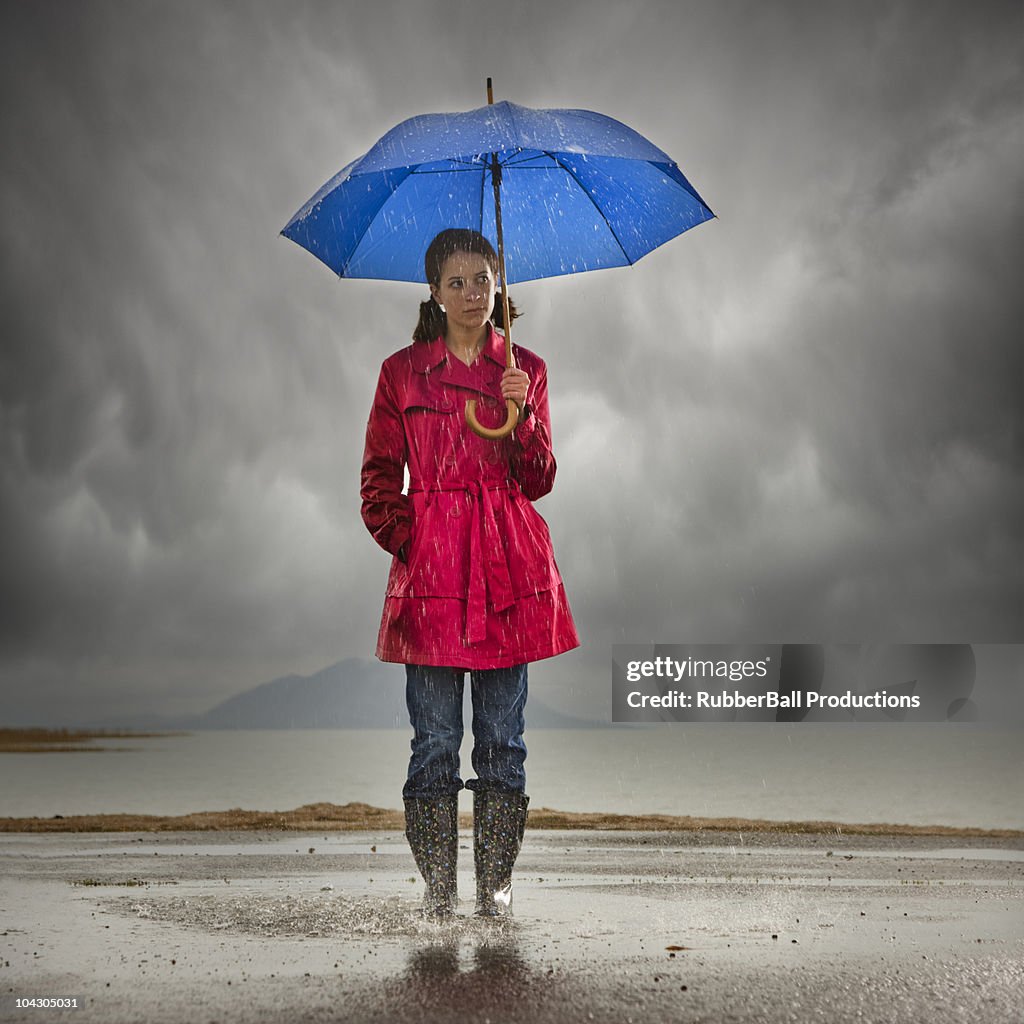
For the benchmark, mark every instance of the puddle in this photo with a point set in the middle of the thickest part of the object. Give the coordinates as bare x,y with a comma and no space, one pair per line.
268,916
304,914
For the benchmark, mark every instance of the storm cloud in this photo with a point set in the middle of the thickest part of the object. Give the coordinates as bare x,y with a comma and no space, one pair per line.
799,422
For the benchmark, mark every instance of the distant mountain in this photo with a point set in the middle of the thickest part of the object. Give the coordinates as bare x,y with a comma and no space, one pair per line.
357,693
353,694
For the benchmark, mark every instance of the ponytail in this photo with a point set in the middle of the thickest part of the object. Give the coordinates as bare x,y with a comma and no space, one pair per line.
432,321
498,313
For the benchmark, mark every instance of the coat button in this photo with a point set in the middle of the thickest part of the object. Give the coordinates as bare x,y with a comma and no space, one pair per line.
456,510
450,462
489,402
446,403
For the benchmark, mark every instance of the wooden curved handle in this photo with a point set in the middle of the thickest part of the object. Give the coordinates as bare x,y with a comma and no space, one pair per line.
493,433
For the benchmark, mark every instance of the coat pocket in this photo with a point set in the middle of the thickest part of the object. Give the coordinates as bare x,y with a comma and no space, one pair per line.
531,560
439,548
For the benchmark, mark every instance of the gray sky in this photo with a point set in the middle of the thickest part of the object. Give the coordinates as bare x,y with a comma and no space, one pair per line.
799,422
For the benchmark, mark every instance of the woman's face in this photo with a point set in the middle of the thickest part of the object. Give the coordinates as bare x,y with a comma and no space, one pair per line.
466,290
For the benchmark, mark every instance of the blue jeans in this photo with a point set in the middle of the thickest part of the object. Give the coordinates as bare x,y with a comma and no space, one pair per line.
434,698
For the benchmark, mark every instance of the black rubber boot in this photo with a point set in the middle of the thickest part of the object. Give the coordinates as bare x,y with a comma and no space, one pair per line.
432,828
499,819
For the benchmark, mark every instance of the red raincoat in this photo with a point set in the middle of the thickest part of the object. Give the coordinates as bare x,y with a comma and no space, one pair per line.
476,585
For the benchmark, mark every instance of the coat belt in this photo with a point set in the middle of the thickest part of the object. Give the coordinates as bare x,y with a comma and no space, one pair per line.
488,565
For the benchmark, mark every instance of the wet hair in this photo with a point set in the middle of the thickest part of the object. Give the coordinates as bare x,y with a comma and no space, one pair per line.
433,322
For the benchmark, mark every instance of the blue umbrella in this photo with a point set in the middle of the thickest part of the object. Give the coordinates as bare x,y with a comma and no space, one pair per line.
580,191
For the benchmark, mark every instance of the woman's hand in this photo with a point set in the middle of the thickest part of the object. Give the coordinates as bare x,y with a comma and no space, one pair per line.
515,384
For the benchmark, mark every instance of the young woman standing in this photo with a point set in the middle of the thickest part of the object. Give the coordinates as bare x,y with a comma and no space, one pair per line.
473,584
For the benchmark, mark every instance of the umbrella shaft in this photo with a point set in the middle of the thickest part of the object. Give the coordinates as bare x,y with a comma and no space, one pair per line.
506,318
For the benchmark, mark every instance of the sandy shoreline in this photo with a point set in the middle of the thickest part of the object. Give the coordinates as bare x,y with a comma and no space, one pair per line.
705,926
359,817
56,741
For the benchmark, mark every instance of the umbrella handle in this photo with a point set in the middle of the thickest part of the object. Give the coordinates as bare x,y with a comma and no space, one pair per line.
492,433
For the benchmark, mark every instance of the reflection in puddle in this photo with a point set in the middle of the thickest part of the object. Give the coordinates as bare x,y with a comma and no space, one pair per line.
480,976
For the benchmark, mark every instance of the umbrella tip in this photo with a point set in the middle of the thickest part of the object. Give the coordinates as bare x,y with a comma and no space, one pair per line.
490,91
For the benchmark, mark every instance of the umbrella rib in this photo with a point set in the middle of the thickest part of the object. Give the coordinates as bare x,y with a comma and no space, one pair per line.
524,156
583,189
451,170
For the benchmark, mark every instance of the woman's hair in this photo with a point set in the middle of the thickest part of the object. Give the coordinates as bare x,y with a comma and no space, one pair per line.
433,321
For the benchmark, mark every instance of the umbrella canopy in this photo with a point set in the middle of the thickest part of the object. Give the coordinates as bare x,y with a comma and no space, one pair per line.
579,191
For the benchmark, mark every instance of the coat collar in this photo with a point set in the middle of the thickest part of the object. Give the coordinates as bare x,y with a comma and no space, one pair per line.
494,347
428,355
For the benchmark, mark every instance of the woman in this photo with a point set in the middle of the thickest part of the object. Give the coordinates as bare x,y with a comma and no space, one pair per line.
473,582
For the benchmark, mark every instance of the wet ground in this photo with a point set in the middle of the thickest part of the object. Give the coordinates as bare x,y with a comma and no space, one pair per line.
713,927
